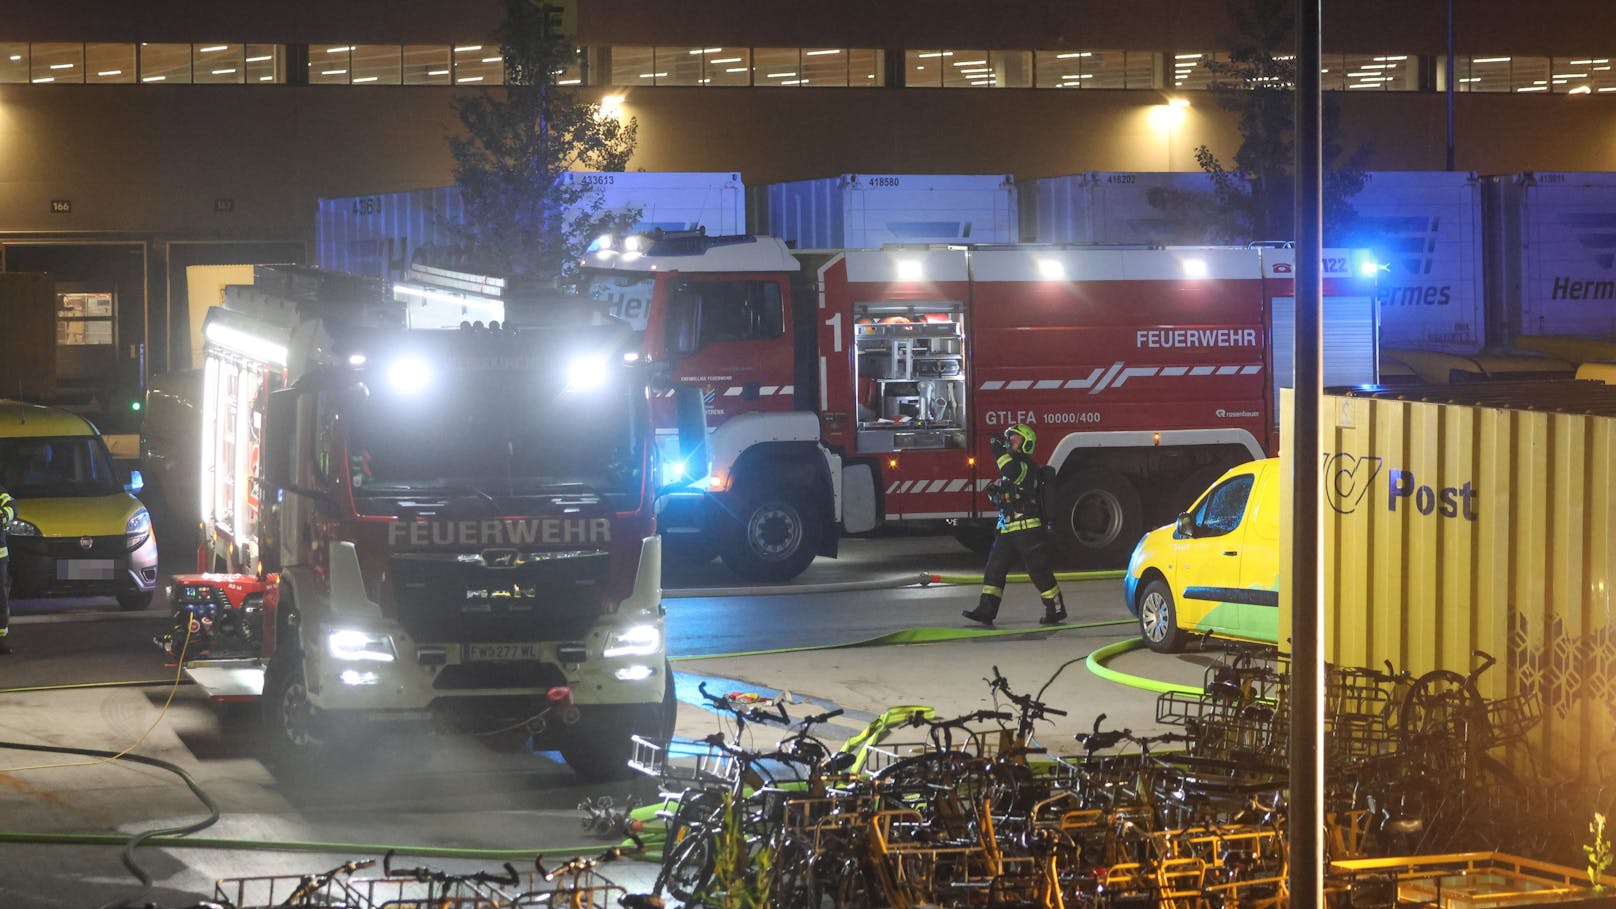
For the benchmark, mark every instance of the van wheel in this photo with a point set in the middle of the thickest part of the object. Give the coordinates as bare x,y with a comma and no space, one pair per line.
1098,518
134,602
771,535
1158,619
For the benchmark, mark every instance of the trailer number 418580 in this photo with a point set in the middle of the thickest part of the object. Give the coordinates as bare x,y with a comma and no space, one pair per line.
481,653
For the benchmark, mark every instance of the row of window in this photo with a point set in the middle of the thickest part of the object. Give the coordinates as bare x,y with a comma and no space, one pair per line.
360,64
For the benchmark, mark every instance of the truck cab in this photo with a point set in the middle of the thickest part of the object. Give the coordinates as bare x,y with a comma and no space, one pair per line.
443,525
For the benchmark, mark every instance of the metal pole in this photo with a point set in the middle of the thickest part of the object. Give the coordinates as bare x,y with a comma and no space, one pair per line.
1451,79
1306,820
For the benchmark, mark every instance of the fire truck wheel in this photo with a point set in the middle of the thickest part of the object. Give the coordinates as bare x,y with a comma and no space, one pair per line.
773,536
288,719
1158,618
598,748
1098,518
134,602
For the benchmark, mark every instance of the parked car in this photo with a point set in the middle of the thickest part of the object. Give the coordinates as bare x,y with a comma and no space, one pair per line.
79,531
1216,568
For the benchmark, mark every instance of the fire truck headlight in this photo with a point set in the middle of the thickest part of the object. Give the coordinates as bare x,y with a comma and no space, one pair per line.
348,644
636,673
586,373
409,375
356,678
638,640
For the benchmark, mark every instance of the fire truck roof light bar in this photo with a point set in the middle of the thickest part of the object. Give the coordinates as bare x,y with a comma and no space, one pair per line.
247,345
427,293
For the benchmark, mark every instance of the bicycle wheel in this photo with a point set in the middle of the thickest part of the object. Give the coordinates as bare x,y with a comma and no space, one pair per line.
794,885
687,870
1442,710
851,888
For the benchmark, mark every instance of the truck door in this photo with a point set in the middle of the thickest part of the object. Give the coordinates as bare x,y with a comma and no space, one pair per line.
730,336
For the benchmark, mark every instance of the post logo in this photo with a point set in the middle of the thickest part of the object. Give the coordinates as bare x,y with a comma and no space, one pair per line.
1347,479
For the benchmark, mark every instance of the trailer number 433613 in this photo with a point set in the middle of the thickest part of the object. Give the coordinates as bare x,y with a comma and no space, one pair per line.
483,653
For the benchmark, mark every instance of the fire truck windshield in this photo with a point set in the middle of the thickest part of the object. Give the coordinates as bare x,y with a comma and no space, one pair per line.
628,294
497,435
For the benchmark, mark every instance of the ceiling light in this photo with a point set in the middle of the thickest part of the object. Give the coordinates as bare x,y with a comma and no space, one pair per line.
213,48
339,50
468,48
224,72
110,72
821,53
154,78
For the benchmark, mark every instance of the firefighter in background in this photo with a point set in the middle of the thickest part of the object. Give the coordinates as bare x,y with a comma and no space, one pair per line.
1018,493
8,513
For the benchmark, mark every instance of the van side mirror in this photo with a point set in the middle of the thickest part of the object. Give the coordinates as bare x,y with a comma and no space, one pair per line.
1184,528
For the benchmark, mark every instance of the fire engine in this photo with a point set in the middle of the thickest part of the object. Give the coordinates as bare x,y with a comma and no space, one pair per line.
413,513
849,388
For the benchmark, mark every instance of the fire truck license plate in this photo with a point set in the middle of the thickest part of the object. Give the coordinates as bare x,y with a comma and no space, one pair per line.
480,653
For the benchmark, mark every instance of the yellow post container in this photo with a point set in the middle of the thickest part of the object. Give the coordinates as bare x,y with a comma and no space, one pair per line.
1468,517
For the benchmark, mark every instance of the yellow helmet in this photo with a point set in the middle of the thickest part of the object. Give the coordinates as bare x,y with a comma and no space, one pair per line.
1028,437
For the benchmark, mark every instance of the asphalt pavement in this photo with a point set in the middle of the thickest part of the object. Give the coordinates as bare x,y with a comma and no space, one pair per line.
443,791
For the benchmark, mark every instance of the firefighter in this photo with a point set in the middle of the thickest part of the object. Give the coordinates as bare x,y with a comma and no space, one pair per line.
1018,494
8,513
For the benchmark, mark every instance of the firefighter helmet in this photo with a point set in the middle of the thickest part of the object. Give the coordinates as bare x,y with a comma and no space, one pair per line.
1028,437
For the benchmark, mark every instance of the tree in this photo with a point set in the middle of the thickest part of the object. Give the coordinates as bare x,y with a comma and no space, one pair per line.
521,219
1254,197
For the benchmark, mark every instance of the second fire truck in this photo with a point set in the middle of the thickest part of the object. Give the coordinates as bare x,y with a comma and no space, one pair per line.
850,388
414,515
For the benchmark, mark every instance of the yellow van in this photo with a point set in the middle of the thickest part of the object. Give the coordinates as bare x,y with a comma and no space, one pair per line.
1215,569
79,529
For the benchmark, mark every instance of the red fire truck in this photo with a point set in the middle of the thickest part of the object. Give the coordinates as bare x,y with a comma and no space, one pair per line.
848,388
413,514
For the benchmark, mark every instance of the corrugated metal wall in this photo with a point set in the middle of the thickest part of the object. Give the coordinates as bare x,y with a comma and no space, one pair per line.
1453,527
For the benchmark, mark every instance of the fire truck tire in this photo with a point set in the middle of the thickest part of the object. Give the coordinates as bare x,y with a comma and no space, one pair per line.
1098,518
288,721
772,536
598,748
134,602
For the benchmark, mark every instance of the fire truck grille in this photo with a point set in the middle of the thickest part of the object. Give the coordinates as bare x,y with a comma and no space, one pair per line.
449,599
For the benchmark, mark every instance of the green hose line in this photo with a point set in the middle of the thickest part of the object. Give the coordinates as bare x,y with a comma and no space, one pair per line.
1096,664
209,842
152,683
910,636
1106,575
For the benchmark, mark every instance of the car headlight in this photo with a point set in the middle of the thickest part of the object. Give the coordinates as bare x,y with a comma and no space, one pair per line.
638,640
21,528
348,644
138,530
139,522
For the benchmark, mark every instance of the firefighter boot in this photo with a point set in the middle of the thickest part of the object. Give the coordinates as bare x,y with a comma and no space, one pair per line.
1054,608
986,609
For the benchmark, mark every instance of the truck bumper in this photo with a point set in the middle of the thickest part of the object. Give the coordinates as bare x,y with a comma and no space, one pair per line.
621,661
